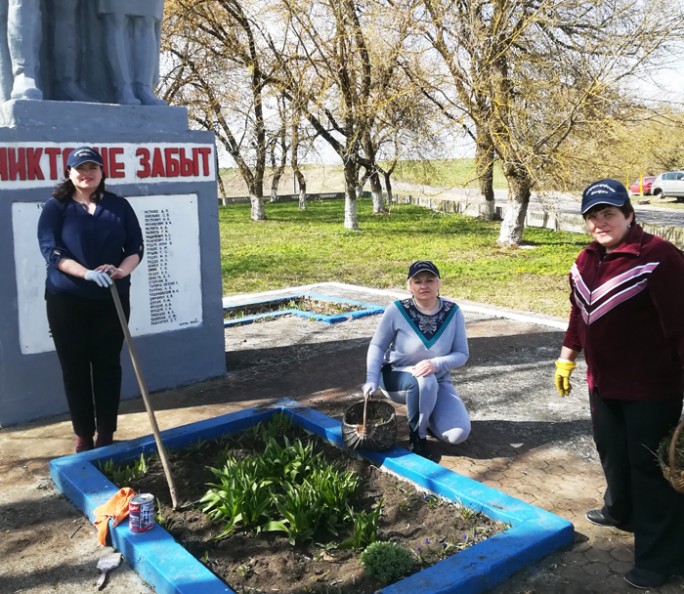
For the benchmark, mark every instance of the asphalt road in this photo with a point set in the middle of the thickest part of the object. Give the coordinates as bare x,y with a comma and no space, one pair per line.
652,213
660,216
564,202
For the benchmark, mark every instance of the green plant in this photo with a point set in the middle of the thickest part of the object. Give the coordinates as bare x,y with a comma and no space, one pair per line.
432,501
467,513
364,528
318,502
278,425
445,173
334,488
240,497
288,460
387,561
243,570
300,513
162,520
286,487
124,475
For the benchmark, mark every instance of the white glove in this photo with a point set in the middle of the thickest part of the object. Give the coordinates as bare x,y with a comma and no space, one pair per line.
101,278
369,389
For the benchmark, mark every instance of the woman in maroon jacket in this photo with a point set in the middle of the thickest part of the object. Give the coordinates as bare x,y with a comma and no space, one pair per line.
627,296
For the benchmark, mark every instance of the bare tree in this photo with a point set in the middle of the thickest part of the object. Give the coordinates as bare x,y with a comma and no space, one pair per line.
279,149
646,143
345,58
534,74
534,82
294,158
219,71
457,93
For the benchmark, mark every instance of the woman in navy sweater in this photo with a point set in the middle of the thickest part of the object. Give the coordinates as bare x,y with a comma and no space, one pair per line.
627,315
90,239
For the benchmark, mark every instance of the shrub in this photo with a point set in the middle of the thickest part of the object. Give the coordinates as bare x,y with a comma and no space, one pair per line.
387,561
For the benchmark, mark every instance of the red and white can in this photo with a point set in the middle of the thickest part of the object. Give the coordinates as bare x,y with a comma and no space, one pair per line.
141,513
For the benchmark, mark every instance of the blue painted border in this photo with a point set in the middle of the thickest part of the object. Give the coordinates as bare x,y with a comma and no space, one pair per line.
170,569
369,309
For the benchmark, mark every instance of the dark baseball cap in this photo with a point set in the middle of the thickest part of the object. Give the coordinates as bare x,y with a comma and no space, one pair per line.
605,191
422,266
84,154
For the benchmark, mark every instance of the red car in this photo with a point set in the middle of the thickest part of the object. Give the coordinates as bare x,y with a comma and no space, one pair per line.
648,181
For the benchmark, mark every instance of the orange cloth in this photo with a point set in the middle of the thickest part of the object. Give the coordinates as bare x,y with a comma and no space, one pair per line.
116,509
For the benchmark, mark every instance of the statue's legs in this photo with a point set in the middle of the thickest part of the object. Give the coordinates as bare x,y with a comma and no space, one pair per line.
146,56
23,34
117,51
66,52
6,78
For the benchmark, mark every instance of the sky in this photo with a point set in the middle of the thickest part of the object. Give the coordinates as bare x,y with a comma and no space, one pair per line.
663,85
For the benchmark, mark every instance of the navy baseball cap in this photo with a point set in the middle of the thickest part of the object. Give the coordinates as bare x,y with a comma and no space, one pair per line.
422,266
84,154
605,191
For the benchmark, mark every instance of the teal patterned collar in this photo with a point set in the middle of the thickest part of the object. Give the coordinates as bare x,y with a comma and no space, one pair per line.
428,327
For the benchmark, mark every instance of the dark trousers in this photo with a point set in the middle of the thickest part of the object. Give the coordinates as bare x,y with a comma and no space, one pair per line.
88,340
627,434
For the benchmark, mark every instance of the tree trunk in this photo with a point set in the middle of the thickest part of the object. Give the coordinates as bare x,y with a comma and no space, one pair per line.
376,193
221,187
351,216
275,183
219,179
301,182
513,224
388,189
484,167
257,212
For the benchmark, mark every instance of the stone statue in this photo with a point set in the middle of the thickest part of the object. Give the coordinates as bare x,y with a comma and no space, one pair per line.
133,58
66,52
76,50
20,36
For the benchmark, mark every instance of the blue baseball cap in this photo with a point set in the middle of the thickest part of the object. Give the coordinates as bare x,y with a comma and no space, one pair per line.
84,154
422,266
605,191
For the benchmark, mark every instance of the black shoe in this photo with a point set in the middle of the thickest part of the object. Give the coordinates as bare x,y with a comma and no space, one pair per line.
421,447
644,579
600,518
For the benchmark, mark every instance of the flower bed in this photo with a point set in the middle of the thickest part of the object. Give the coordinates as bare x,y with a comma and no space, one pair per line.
169,568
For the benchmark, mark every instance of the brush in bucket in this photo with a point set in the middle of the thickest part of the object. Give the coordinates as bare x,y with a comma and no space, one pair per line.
370,425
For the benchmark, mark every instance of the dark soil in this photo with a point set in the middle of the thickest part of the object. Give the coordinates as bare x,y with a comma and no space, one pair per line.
431,527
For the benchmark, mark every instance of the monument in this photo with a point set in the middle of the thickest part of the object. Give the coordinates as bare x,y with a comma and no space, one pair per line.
82,72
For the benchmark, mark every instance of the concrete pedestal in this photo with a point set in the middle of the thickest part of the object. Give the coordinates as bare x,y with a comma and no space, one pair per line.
168,173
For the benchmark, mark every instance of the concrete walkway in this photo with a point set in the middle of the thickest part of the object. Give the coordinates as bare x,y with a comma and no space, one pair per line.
526,441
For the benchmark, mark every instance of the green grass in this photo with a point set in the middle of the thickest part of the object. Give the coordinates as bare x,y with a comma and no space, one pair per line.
449,173
446,173
296,247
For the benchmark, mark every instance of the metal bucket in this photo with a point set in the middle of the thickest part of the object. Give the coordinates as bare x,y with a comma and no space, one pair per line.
380,432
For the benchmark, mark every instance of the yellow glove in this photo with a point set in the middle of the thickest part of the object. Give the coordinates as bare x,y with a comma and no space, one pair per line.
562,377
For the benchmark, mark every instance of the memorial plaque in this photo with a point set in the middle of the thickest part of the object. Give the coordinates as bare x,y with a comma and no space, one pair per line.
165,289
